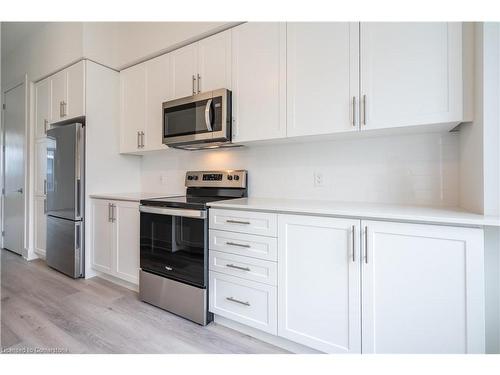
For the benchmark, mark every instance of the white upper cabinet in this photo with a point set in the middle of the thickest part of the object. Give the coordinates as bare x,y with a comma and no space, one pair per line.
133,108
322,77
158,90
319,282
423,289
68,93
214,62
411,74
184,71
58,96
75,103
42,107
259,81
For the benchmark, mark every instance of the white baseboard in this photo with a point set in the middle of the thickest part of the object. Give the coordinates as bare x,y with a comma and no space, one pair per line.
116,281
266,337
39,253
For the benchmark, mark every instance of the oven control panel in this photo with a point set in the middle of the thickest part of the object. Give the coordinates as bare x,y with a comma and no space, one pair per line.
227,178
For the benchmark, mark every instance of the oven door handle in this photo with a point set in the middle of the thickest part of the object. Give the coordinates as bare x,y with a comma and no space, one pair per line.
207,115
197,214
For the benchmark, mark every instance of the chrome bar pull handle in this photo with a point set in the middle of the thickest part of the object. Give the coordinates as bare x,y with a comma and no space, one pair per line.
364,110
109,212
237,244
45,206
61,109
354,111
198,83
353,233
194,80
138,139
237,222
238,301
113,213
45,187
366,245
45,125
238,267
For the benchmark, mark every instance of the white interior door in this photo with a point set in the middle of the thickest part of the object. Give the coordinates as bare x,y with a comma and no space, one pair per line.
14,141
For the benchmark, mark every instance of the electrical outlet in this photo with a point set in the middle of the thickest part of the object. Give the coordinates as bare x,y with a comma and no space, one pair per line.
319,179
163,179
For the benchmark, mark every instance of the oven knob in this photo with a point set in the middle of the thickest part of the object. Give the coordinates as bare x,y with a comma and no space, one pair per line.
229,177
190,178
195,177
236,177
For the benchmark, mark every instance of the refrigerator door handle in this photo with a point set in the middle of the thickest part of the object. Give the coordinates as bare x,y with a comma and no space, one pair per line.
79,196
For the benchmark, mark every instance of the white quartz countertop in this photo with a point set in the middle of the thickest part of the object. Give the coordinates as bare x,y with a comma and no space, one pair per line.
374,211
131,196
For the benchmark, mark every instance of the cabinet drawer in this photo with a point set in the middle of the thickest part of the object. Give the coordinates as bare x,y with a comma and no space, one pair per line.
244,244
244,301
258,270
260,223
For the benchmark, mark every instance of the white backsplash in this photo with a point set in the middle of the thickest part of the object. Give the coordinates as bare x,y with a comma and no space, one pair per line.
420,169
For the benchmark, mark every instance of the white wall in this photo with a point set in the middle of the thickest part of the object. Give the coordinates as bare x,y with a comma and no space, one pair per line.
51,47
418,169
121,44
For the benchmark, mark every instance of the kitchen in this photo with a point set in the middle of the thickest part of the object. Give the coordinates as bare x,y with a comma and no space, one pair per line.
281,185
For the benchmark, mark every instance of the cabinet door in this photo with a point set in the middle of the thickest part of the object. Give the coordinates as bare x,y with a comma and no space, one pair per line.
75,103
322,77
158,91
183,71
42,107
214,62
319,282
58,95
40,226
40,166
411,73
126,227
101,236
259,81
423,289
133,107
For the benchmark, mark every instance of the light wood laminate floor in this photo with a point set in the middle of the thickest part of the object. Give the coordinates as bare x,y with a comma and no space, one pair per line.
44,309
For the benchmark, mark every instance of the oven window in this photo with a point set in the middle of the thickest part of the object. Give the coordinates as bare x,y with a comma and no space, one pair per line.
174,247
189,118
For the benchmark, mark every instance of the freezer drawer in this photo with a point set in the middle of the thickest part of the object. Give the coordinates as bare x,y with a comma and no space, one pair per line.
65,249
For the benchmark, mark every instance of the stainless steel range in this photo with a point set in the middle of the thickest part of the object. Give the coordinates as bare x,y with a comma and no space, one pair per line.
174,243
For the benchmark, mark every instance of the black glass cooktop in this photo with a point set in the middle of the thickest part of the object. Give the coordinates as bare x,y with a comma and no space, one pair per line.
182,201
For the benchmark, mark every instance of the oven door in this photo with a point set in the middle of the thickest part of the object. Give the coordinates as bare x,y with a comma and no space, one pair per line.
197,119
174,244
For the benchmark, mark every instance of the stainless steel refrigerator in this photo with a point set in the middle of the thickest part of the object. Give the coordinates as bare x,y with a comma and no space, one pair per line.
66,199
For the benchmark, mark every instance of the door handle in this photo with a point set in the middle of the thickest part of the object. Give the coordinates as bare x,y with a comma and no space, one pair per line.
142,139
194,79
45,187
238,267
207,115
113,211
366,245
237,244
109,213
238,301
45,125
60,109
198,83
45,206
138,139
20,190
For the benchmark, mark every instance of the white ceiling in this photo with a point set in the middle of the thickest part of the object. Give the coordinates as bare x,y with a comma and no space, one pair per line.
13,33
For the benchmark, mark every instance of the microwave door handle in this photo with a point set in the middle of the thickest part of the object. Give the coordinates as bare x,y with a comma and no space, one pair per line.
207,115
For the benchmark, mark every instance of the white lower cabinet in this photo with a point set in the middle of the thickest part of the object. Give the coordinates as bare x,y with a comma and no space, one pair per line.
351,285
115,238
423,289
40,227
244,301
319,282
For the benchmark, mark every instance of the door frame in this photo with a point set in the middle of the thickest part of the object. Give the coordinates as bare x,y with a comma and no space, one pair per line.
26,253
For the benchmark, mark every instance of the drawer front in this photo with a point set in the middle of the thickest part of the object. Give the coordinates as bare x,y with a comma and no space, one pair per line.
244,244
260,223
262,271
244,301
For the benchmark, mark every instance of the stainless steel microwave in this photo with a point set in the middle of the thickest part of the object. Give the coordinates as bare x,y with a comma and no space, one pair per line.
198,121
